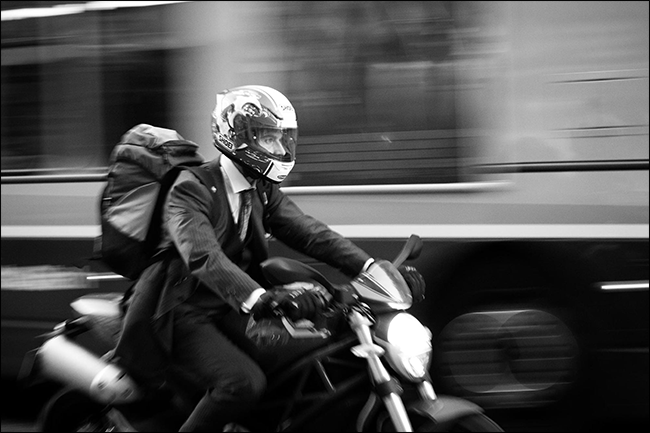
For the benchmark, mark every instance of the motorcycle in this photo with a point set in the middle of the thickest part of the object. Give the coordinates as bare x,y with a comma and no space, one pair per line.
362,366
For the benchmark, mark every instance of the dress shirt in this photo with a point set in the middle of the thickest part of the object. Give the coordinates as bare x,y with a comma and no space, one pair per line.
235,183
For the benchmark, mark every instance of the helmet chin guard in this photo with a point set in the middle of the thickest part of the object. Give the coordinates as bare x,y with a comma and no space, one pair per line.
243,116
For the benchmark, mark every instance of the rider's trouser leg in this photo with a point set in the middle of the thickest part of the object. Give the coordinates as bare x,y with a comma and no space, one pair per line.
208,358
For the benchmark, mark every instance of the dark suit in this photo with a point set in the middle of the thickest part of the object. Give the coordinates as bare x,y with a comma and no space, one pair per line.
183,298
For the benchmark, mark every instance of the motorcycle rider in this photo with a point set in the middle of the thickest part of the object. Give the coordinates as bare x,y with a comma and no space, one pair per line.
213,241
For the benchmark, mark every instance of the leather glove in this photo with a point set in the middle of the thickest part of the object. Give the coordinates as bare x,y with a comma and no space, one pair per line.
296,304
414,280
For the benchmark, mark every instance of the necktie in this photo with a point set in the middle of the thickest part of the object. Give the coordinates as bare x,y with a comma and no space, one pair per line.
244,212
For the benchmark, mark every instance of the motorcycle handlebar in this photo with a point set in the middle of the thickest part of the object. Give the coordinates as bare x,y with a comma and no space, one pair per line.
342,298
282,270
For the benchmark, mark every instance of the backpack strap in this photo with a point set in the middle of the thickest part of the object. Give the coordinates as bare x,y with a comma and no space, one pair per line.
208,179
204,175
153,235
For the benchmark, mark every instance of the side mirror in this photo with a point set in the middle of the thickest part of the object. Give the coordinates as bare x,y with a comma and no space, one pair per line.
411,250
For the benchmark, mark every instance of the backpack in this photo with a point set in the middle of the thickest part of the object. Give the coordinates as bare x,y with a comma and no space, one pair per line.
142,169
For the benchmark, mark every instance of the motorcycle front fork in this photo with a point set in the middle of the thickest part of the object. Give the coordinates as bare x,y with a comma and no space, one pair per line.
372,353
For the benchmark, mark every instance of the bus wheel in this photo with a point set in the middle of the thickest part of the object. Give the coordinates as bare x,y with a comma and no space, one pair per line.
507,357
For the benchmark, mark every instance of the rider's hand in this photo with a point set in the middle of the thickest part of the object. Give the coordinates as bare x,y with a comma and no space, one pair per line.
296,304
414,280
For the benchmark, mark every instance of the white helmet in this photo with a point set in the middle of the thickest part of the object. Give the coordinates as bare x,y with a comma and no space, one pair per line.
239,120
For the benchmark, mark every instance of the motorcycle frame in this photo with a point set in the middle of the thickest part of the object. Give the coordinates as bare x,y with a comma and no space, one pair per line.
310,385
369,373
366,371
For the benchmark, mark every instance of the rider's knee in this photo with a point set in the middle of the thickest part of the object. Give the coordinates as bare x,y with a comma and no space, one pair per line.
247,386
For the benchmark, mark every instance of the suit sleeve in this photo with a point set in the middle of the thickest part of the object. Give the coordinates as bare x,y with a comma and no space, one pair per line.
306,234
187,220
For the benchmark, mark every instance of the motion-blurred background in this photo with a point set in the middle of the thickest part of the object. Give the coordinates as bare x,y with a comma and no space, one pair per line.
512,136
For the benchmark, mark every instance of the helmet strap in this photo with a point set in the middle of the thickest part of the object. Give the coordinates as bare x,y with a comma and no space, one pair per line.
251,175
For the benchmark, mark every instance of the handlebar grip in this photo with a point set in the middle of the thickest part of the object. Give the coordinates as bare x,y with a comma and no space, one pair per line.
292,310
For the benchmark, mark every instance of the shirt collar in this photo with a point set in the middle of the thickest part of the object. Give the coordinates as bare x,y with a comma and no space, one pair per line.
237,180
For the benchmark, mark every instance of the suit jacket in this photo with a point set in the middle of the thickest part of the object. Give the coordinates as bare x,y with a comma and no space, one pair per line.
201,247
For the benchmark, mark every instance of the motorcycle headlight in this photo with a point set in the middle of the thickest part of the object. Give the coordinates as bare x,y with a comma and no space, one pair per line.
407,343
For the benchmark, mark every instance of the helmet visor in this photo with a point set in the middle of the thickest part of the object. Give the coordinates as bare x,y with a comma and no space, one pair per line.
277,143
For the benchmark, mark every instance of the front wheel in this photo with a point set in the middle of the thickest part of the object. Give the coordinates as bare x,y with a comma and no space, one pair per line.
470,423
476,422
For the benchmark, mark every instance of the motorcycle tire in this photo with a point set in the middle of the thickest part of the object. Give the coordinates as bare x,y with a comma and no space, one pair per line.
471,423
72,411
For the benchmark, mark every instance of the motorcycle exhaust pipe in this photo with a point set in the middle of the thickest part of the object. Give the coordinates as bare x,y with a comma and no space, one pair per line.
65,361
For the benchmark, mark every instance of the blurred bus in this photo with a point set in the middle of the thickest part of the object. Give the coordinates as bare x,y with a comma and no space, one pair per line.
511,136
